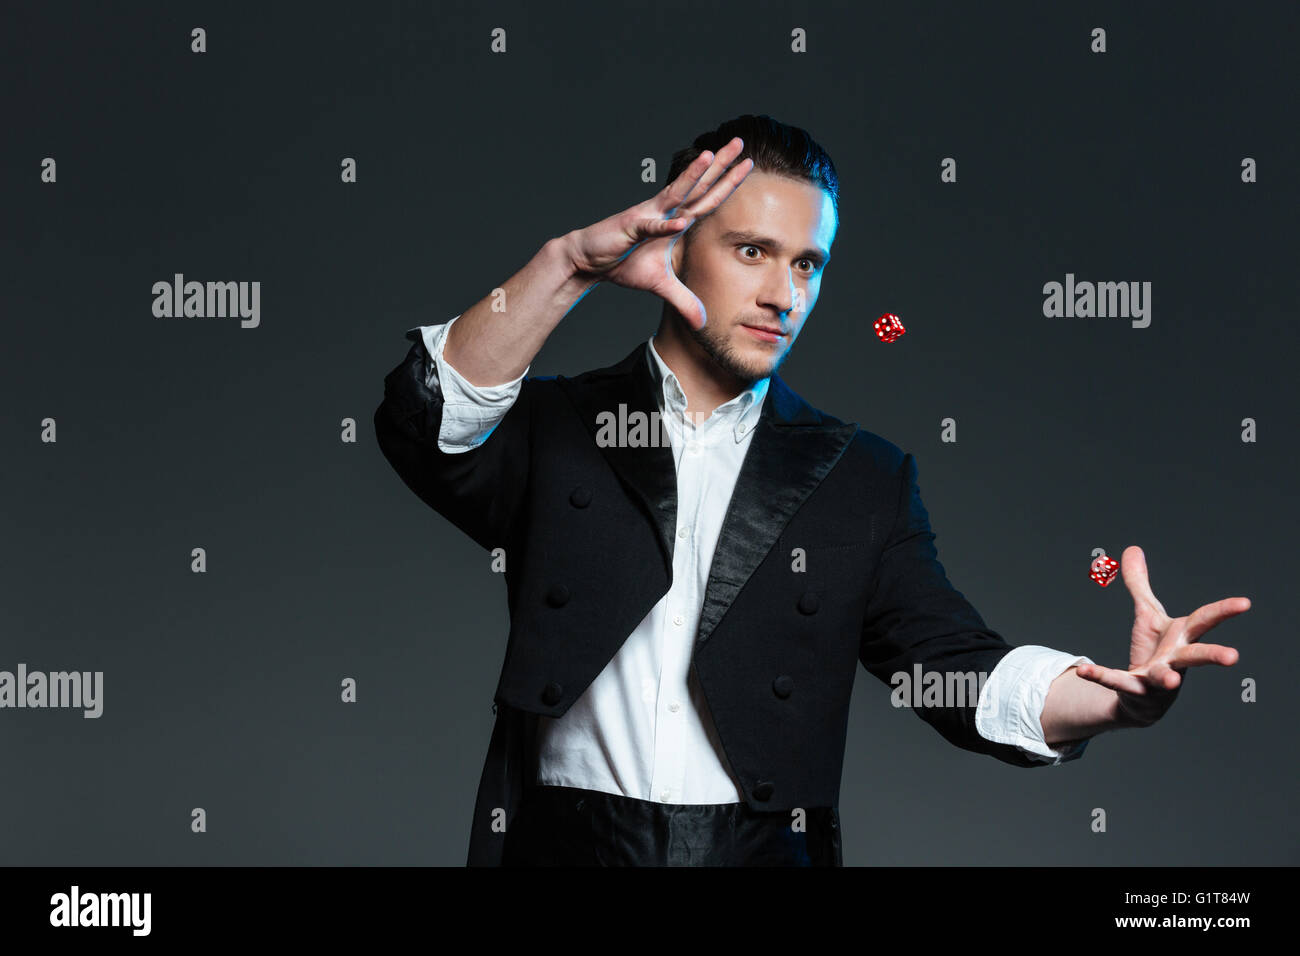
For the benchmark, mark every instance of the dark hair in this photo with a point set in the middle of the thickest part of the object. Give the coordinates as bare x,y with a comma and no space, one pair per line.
775,148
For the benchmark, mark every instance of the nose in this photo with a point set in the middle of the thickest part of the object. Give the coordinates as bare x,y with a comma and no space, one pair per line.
779,290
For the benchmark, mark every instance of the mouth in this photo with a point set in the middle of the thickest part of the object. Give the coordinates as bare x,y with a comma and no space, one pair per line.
764,333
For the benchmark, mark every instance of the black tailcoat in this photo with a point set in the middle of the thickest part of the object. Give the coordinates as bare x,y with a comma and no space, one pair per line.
588,533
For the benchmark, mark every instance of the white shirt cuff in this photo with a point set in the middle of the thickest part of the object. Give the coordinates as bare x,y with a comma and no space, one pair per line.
469,412
1011,703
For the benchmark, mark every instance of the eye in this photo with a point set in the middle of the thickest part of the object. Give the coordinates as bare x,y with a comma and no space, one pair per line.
812,266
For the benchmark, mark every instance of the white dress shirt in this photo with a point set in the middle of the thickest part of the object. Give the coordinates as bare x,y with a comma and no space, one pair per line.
642,729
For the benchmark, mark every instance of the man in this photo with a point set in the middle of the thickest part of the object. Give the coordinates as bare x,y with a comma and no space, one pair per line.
689,600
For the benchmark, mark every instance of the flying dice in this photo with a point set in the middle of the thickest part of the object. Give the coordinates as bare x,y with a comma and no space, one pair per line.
889,328
1104,570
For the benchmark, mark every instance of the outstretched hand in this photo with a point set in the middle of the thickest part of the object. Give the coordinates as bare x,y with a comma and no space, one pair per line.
1161,648
634,248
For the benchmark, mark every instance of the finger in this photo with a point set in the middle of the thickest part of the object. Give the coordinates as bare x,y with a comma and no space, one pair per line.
1163,676
706,167
672,195
719,165
654,228
1209,615
681,298
701,184
721,190
1133,566
1112,678
1199,655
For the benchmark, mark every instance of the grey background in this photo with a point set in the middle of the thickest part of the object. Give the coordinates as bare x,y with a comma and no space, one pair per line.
221,689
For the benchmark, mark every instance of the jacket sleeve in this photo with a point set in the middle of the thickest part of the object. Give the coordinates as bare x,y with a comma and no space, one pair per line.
914,616
479,489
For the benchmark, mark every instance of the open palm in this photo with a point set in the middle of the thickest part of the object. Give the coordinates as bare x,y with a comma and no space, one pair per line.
1161,648
634,248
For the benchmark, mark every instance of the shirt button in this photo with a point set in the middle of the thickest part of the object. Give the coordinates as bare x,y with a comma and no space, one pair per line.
741,428
678,620
681,532
674,707
664,795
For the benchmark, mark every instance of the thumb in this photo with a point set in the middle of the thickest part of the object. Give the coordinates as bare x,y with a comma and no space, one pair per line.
676,294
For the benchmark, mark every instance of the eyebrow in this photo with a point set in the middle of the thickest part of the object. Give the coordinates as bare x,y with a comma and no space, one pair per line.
753,238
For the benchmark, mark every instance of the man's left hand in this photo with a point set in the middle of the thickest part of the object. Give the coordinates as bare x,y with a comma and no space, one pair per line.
1161,648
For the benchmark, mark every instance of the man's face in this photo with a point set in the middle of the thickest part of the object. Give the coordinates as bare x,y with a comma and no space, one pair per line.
747,260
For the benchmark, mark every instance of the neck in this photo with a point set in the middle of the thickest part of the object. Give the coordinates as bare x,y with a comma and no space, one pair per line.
705,384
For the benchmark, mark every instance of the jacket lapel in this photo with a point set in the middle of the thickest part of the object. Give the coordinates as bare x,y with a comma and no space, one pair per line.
791,451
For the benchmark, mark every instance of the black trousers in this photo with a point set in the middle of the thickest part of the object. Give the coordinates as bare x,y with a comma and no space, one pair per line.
567,826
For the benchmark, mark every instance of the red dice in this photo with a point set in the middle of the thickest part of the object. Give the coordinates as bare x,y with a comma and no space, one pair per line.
1104,570
889,328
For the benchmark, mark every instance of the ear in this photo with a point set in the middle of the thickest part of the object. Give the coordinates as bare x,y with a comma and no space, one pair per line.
676,255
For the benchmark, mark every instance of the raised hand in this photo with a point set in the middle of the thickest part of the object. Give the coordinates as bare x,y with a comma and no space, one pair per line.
634,247
1161,647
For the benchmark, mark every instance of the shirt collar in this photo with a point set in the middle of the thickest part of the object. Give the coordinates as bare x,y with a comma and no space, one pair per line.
741,412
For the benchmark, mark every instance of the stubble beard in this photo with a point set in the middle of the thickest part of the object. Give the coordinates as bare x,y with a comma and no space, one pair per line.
717,346
726,356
